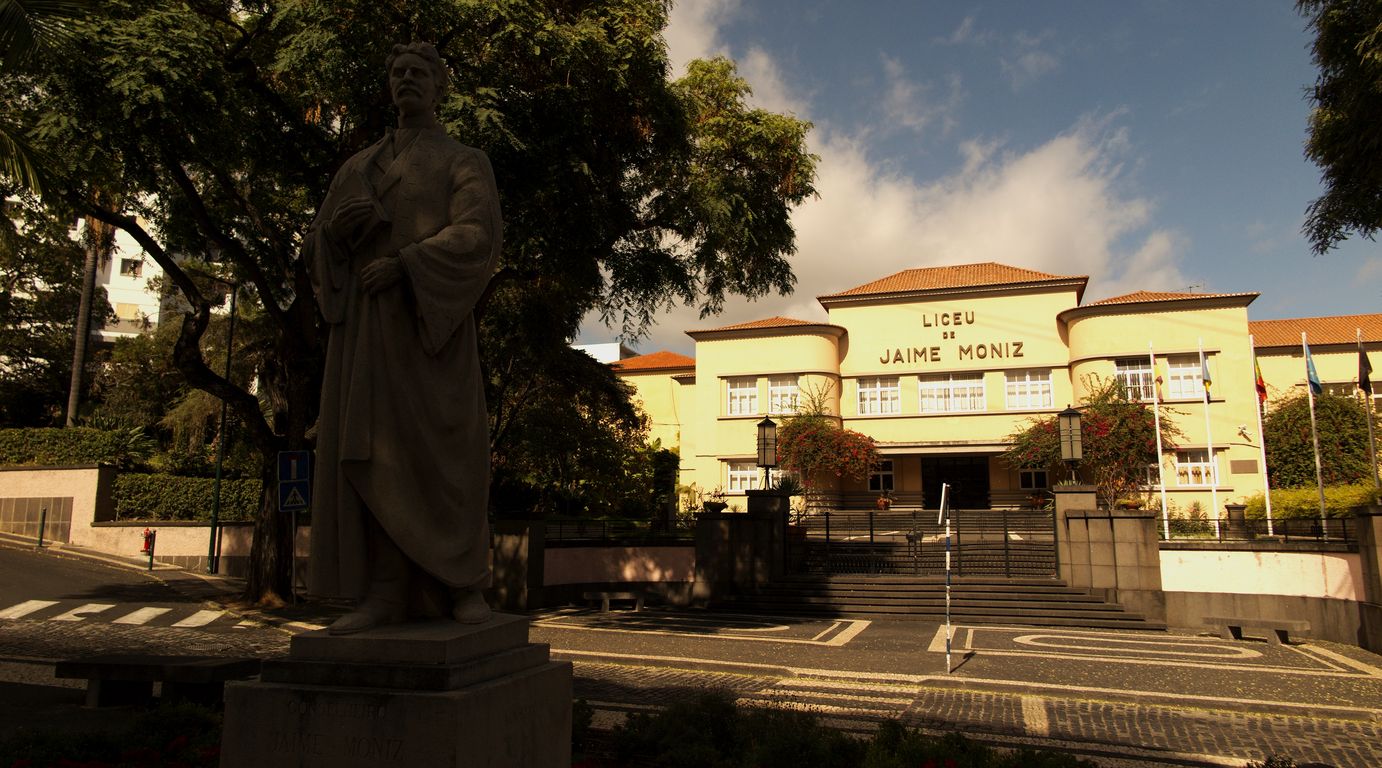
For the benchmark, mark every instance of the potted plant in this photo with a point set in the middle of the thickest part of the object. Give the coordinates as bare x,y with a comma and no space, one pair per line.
715,501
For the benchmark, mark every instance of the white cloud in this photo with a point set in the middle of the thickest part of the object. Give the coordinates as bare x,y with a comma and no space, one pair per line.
1027,61
908,104
1060,207
693,31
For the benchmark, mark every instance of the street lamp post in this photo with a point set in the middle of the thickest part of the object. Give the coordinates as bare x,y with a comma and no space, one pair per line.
1071,441
767,448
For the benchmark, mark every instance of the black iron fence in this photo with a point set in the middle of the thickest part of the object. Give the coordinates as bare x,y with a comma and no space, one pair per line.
599,531
983,542
1342,530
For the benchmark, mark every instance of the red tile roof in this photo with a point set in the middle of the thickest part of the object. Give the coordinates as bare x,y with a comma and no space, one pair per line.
767,322
1341,329
1144,296
654,361
959,276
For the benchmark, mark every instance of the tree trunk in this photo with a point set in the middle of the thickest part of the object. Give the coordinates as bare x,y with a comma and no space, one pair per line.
82,336
269,578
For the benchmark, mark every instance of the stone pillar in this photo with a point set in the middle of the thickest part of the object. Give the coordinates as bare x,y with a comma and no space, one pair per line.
738,553
1114,554
1369,522
519,564
436,694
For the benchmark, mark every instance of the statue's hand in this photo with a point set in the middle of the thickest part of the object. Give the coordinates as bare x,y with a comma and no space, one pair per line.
354,216
381,275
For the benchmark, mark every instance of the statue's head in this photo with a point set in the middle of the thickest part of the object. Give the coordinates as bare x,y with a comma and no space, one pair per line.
417,77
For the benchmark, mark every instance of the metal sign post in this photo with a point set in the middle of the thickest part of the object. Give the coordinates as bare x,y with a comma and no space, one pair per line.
944,516
294,495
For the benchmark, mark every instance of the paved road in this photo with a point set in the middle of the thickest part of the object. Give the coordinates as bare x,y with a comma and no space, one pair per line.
1157,698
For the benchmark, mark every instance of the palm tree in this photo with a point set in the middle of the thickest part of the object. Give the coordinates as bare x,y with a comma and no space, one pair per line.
28,28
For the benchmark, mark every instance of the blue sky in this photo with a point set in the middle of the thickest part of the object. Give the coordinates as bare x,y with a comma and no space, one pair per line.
1148,144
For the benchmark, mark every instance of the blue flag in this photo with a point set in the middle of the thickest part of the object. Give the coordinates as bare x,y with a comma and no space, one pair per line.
1310,375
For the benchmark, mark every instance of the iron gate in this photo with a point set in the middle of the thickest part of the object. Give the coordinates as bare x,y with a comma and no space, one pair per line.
1011,543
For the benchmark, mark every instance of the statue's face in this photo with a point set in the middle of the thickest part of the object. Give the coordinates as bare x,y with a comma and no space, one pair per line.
412,84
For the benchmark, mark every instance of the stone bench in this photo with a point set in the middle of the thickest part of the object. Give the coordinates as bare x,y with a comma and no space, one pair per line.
129,678
637,597
1279,630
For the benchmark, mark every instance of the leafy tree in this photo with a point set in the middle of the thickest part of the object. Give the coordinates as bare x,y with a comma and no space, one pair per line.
221,125
40,271
1342,425
1118,434
1346,123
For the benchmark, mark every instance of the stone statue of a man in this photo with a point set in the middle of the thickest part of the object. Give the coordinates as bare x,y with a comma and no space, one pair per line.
401,250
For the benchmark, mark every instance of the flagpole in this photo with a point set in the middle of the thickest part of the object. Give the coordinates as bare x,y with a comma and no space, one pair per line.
1160,468
1365,386
1310,378
1205,381
1262,434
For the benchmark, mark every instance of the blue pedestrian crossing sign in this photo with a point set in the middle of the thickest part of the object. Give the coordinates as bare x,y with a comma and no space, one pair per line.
294,480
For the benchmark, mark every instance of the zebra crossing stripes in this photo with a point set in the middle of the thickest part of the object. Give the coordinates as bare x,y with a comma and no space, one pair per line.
200,619
180,617
141,616
25,608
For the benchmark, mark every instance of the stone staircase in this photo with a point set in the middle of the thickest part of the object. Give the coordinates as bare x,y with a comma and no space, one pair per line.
974,600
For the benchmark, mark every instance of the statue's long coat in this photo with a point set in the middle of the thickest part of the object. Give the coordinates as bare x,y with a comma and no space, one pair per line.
403,432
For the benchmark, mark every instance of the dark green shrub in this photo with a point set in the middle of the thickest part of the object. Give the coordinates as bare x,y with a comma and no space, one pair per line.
171,735
712,731
1339,501
170,497
124,448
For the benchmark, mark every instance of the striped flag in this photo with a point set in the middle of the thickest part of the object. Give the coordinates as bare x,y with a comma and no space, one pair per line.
1261,382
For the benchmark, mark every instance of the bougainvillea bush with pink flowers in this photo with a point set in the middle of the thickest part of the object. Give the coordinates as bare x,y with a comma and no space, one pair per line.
1119,440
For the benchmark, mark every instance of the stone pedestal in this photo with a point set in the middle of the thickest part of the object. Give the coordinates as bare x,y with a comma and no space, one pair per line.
435,693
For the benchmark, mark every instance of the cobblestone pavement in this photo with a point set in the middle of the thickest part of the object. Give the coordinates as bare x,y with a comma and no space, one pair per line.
1178,700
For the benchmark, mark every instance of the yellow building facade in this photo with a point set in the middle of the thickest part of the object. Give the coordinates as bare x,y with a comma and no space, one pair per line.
940,365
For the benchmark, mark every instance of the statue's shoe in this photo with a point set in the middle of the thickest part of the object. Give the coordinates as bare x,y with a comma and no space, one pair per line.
470,607
368,615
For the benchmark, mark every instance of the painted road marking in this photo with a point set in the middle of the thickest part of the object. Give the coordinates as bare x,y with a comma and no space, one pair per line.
1096,643
25,608
141,616
837,634
82,611
199,619
1034,719
1141,649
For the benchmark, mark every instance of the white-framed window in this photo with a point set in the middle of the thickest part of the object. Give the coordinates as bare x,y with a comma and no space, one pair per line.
131,267
1340,388
1028,389
1137,377
881,478
1033,479
1194,467
879,394
952,393
741,396
1183,380
782,394
742,476
1153,475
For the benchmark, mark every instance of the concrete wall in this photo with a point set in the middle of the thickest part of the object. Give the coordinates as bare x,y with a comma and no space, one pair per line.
1113,554
1330,575
73,496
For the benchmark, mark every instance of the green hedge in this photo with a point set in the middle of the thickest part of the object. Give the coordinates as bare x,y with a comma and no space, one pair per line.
74,445
1339,501
170,497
